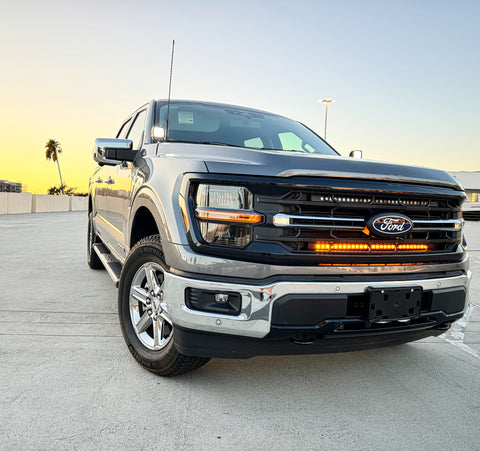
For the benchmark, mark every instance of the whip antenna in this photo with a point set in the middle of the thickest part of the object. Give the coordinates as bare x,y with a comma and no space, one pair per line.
169,90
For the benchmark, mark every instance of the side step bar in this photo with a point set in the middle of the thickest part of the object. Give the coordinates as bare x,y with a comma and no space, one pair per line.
113,267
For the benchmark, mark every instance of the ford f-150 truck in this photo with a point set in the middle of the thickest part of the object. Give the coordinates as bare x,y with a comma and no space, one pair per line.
233,232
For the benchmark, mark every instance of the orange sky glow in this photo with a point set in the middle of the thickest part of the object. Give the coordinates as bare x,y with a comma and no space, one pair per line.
404,74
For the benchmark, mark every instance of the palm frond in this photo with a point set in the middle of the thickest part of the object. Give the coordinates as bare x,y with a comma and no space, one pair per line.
53,148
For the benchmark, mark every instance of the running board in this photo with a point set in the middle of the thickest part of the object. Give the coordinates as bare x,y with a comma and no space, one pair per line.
113,267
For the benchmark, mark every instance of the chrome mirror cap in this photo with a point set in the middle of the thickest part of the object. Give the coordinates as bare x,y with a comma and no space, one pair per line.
113,151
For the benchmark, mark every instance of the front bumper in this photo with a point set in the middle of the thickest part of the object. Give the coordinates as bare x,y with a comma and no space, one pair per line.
258,302
205,344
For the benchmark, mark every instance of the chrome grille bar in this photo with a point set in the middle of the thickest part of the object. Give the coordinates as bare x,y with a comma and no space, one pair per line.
318,222
438,225
334,223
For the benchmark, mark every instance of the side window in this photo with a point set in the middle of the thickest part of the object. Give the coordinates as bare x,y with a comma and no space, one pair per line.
124,129
136,132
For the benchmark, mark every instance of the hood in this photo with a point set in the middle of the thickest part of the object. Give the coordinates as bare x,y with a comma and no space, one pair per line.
233,160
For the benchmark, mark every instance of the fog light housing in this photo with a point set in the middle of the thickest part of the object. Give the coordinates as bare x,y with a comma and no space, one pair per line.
223,302
221,298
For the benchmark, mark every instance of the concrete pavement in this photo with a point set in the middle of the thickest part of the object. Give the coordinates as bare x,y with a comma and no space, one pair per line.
67,381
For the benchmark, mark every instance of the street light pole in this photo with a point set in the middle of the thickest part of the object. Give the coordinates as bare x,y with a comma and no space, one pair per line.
326,102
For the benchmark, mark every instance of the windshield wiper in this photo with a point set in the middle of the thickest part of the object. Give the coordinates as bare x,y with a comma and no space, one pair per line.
218,143
284,150
212,143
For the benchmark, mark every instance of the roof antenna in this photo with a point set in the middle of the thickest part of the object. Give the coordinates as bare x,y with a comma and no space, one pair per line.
169,90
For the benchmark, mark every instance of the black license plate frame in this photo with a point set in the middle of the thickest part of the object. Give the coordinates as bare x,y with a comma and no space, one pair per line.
394,304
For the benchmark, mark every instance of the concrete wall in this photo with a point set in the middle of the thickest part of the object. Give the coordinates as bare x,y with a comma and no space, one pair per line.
3,203
15,203
44,203
78,203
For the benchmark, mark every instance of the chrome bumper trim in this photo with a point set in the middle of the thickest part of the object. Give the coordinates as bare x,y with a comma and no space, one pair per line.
257,301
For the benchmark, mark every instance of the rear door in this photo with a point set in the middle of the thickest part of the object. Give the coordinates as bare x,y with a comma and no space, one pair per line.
120,184
103,181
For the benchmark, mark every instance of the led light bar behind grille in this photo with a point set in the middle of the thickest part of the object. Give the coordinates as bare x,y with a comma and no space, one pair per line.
365,248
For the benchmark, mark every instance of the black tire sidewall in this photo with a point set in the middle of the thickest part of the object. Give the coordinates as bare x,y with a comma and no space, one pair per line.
146,252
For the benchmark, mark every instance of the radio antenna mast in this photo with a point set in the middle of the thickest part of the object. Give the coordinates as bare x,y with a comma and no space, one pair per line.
169,91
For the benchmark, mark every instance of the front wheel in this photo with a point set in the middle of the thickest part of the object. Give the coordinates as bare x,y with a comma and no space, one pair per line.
143,310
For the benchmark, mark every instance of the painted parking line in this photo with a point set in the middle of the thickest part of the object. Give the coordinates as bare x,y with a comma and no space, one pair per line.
456,335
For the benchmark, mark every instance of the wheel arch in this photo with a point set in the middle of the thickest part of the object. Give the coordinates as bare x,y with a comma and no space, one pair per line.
146,219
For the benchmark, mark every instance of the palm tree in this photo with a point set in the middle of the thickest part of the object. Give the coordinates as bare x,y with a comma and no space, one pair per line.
53,149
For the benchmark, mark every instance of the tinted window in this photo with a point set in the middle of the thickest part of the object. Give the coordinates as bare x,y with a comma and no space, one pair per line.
136,132
242,127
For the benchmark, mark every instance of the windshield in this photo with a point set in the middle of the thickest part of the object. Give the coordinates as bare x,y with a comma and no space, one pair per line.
218,124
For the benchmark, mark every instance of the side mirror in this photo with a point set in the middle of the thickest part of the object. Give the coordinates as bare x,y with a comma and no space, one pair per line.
356,154
113,151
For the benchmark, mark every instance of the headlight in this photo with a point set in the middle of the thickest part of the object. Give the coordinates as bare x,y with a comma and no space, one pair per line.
225,214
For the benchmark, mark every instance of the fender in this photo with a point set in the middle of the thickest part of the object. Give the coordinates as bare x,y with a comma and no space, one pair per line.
146,197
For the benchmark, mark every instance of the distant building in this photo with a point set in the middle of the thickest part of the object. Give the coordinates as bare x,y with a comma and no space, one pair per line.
10,187
470,182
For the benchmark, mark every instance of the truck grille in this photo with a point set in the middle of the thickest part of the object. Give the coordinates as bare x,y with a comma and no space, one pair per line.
297,219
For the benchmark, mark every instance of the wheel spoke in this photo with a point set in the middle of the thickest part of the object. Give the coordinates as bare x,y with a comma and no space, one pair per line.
144,323
139,294
152,280
164,318
158,332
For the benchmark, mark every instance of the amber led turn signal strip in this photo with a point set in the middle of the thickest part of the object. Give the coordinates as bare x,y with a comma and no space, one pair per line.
239,216
183,207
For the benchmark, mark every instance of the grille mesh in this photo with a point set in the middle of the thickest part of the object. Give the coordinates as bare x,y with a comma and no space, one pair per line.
304,217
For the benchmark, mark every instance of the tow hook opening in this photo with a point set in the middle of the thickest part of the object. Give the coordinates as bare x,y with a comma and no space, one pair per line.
443,326
306,339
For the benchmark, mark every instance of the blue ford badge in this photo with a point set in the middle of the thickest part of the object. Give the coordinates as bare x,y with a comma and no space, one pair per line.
389,225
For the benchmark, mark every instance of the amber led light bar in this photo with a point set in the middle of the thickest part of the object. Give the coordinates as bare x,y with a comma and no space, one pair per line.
363,248
238,216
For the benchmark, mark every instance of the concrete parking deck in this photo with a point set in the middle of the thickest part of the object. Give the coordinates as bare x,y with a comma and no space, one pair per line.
67,381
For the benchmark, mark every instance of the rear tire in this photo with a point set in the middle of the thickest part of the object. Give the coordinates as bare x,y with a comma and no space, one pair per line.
146,327
92,258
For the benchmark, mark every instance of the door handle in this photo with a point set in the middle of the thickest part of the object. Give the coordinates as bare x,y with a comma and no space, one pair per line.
110,181
99,180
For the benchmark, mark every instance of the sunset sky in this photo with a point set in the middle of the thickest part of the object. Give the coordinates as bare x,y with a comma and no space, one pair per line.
405,74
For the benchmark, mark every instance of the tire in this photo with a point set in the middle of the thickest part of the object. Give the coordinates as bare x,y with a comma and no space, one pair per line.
146,327
92,258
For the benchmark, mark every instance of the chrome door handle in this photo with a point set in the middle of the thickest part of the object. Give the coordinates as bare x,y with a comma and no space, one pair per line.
99,180
110,181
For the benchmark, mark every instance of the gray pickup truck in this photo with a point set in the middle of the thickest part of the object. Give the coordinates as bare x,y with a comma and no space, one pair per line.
233,232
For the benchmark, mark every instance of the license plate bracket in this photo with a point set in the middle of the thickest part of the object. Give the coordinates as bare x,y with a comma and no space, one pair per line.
393,304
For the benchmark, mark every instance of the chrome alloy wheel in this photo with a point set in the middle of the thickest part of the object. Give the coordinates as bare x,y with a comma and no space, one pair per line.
148,309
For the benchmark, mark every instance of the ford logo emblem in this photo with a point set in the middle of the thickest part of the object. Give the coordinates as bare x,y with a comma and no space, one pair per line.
389,225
